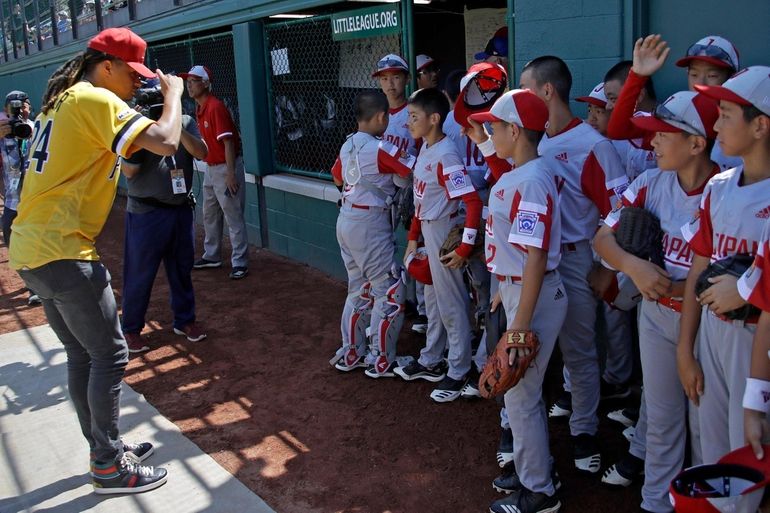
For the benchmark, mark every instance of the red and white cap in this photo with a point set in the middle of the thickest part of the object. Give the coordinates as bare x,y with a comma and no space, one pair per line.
684,111
122,43
735,484
521,107
198,71
418,268
479,89
750,86
423,61
391,62
596,97
715,50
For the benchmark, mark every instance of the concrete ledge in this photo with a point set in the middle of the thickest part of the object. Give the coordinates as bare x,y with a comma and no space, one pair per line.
303,186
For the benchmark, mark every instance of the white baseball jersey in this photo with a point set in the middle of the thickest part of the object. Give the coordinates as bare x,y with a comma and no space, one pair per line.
523,211
473,160
589,177
754,285
377,162
439,181
723,161
731,217
660,193
398,130
635,159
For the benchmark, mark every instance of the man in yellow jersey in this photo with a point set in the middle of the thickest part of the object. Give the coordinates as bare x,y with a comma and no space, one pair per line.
72,174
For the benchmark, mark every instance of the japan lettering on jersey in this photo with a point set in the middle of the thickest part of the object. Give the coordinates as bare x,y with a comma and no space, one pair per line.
754,285
398,130
660,193
589,176
731,217
523,211
473,160
366,166
439,181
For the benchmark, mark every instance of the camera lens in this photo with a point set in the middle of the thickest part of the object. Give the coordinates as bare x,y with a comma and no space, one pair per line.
21,130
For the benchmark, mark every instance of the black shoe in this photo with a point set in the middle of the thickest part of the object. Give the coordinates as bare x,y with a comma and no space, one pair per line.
562,408
586,453
420,324
627,416
505,448
448,390
126,476
525,501
239,272
609,391
388,372
624,472
136,453
207,264
508,481
416,371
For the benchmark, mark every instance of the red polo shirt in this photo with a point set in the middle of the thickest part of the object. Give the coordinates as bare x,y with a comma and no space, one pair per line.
215,125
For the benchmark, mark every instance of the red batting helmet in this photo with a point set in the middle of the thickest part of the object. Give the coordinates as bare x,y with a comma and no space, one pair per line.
735,484
418,268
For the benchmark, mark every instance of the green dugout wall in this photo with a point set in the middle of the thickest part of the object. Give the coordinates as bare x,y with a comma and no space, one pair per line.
291,202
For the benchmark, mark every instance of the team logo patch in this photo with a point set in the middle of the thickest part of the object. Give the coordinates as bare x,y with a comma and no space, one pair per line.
527,221
620,190
125,114
458,179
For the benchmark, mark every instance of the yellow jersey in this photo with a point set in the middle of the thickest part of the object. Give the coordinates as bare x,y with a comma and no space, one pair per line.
72,175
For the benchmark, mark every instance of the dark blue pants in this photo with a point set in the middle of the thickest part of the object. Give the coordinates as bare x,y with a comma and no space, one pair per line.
167,235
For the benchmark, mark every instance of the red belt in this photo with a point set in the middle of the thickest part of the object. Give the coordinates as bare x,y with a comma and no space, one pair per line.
507,279
353,205
751,320
674,304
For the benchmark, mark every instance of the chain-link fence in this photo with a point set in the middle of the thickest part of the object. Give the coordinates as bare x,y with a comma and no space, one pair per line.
215,52
313,82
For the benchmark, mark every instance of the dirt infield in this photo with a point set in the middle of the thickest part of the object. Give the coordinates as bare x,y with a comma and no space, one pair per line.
260,397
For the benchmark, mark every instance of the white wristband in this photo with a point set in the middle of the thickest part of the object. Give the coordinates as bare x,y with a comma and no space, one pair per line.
757,395
487,148
469,235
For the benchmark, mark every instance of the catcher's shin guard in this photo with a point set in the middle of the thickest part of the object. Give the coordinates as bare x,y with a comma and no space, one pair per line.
387,318
356,318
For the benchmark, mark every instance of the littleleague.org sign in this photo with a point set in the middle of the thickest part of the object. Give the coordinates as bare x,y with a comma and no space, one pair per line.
371,22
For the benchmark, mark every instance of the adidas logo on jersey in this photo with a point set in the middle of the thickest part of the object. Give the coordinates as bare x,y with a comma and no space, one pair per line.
562,157
764,213
500,194
765,396
559,294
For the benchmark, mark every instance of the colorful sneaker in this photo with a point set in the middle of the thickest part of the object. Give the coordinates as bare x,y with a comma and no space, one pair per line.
239,272
415,370
126,476
448,390
192,331
626,416
136,343
608,391
624,472
525,501
346,364
420,324
137,453
562,408
207,264
586,453
505,448
508,481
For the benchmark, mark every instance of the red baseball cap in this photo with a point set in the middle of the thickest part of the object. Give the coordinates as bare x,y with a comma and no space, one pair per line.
684,111
479,88
418,267
519,106
198,71
750,86
122,43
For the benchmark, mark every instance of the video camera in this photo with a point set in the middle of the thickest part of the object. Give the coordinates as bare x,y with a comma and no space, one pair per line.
20,129
150,99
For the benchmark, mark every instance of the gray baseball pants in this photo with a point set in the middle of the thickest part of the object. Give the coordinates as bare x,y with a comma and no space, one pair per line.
219,206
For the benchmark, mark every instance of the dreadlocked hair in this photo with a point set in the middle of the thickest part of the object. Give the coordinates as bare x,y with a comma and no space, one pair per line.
69,73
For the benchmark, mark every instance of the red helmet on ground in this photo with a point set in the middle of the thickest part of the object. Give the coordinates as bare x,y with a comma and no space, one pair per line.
418,268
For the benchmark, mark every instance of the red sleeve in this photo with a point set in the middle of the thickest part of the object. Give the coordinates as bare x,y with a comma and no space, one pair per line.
754,285
473,208
620,126
593,181
415,229
337,170
699,232
497,167
223,123
390,160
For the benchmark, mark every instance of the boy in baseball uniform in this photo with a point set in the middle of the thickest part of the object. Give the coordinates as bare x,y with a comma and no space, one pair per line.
523,234
364,170
590,178
730,221
441,184
684,134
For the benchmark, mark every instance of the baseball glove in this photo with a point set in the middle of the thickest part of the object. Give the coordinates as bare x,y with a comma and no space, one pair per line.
455,237
498,376
735,265
639,233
